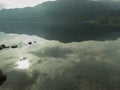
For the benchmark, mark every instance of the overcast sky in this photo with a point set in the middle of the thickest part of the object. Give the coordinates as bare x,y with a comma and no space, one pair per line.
20,3
24,3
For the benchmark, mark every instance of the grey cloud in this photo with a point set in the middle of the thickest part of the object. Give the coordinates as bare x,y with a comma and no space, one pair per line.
2,5
18,80
53,51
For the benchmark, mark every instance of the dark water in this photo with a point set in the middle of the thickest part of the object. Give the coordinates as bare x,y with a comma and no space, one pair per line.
65,32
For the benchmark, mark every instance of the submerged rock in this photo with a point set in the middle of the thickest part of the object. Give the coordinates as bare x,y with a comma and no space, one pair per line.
15,46
3,46
3,78
29,43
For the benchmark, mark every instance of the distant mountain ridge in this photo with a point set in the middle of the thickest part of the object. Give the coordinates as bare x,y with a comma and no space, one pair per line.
61,20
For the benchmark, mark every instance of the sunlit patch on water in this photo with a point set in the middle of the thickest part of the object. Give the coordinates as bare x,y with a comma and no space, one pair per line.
23,63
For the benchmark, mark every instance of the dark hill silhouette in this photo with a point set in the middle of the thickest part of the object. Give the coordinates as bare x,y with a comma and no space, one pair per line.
62,20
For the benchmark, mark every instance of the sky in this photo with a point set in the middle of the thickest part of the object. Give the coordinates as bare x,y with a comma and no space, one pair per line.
23,3
52,65
20,3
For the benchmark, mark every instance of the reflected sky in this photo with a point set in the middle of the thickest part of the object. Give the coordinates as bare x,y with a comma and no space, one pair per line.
54,65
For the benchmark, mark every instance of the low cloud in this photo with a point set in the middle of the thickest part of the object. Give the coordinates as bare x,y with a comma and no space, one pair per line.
88,65
21,3
2,6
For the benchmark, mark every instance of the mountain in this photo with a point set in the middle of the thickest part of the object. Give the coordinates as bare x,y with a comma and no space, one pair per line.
63,20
